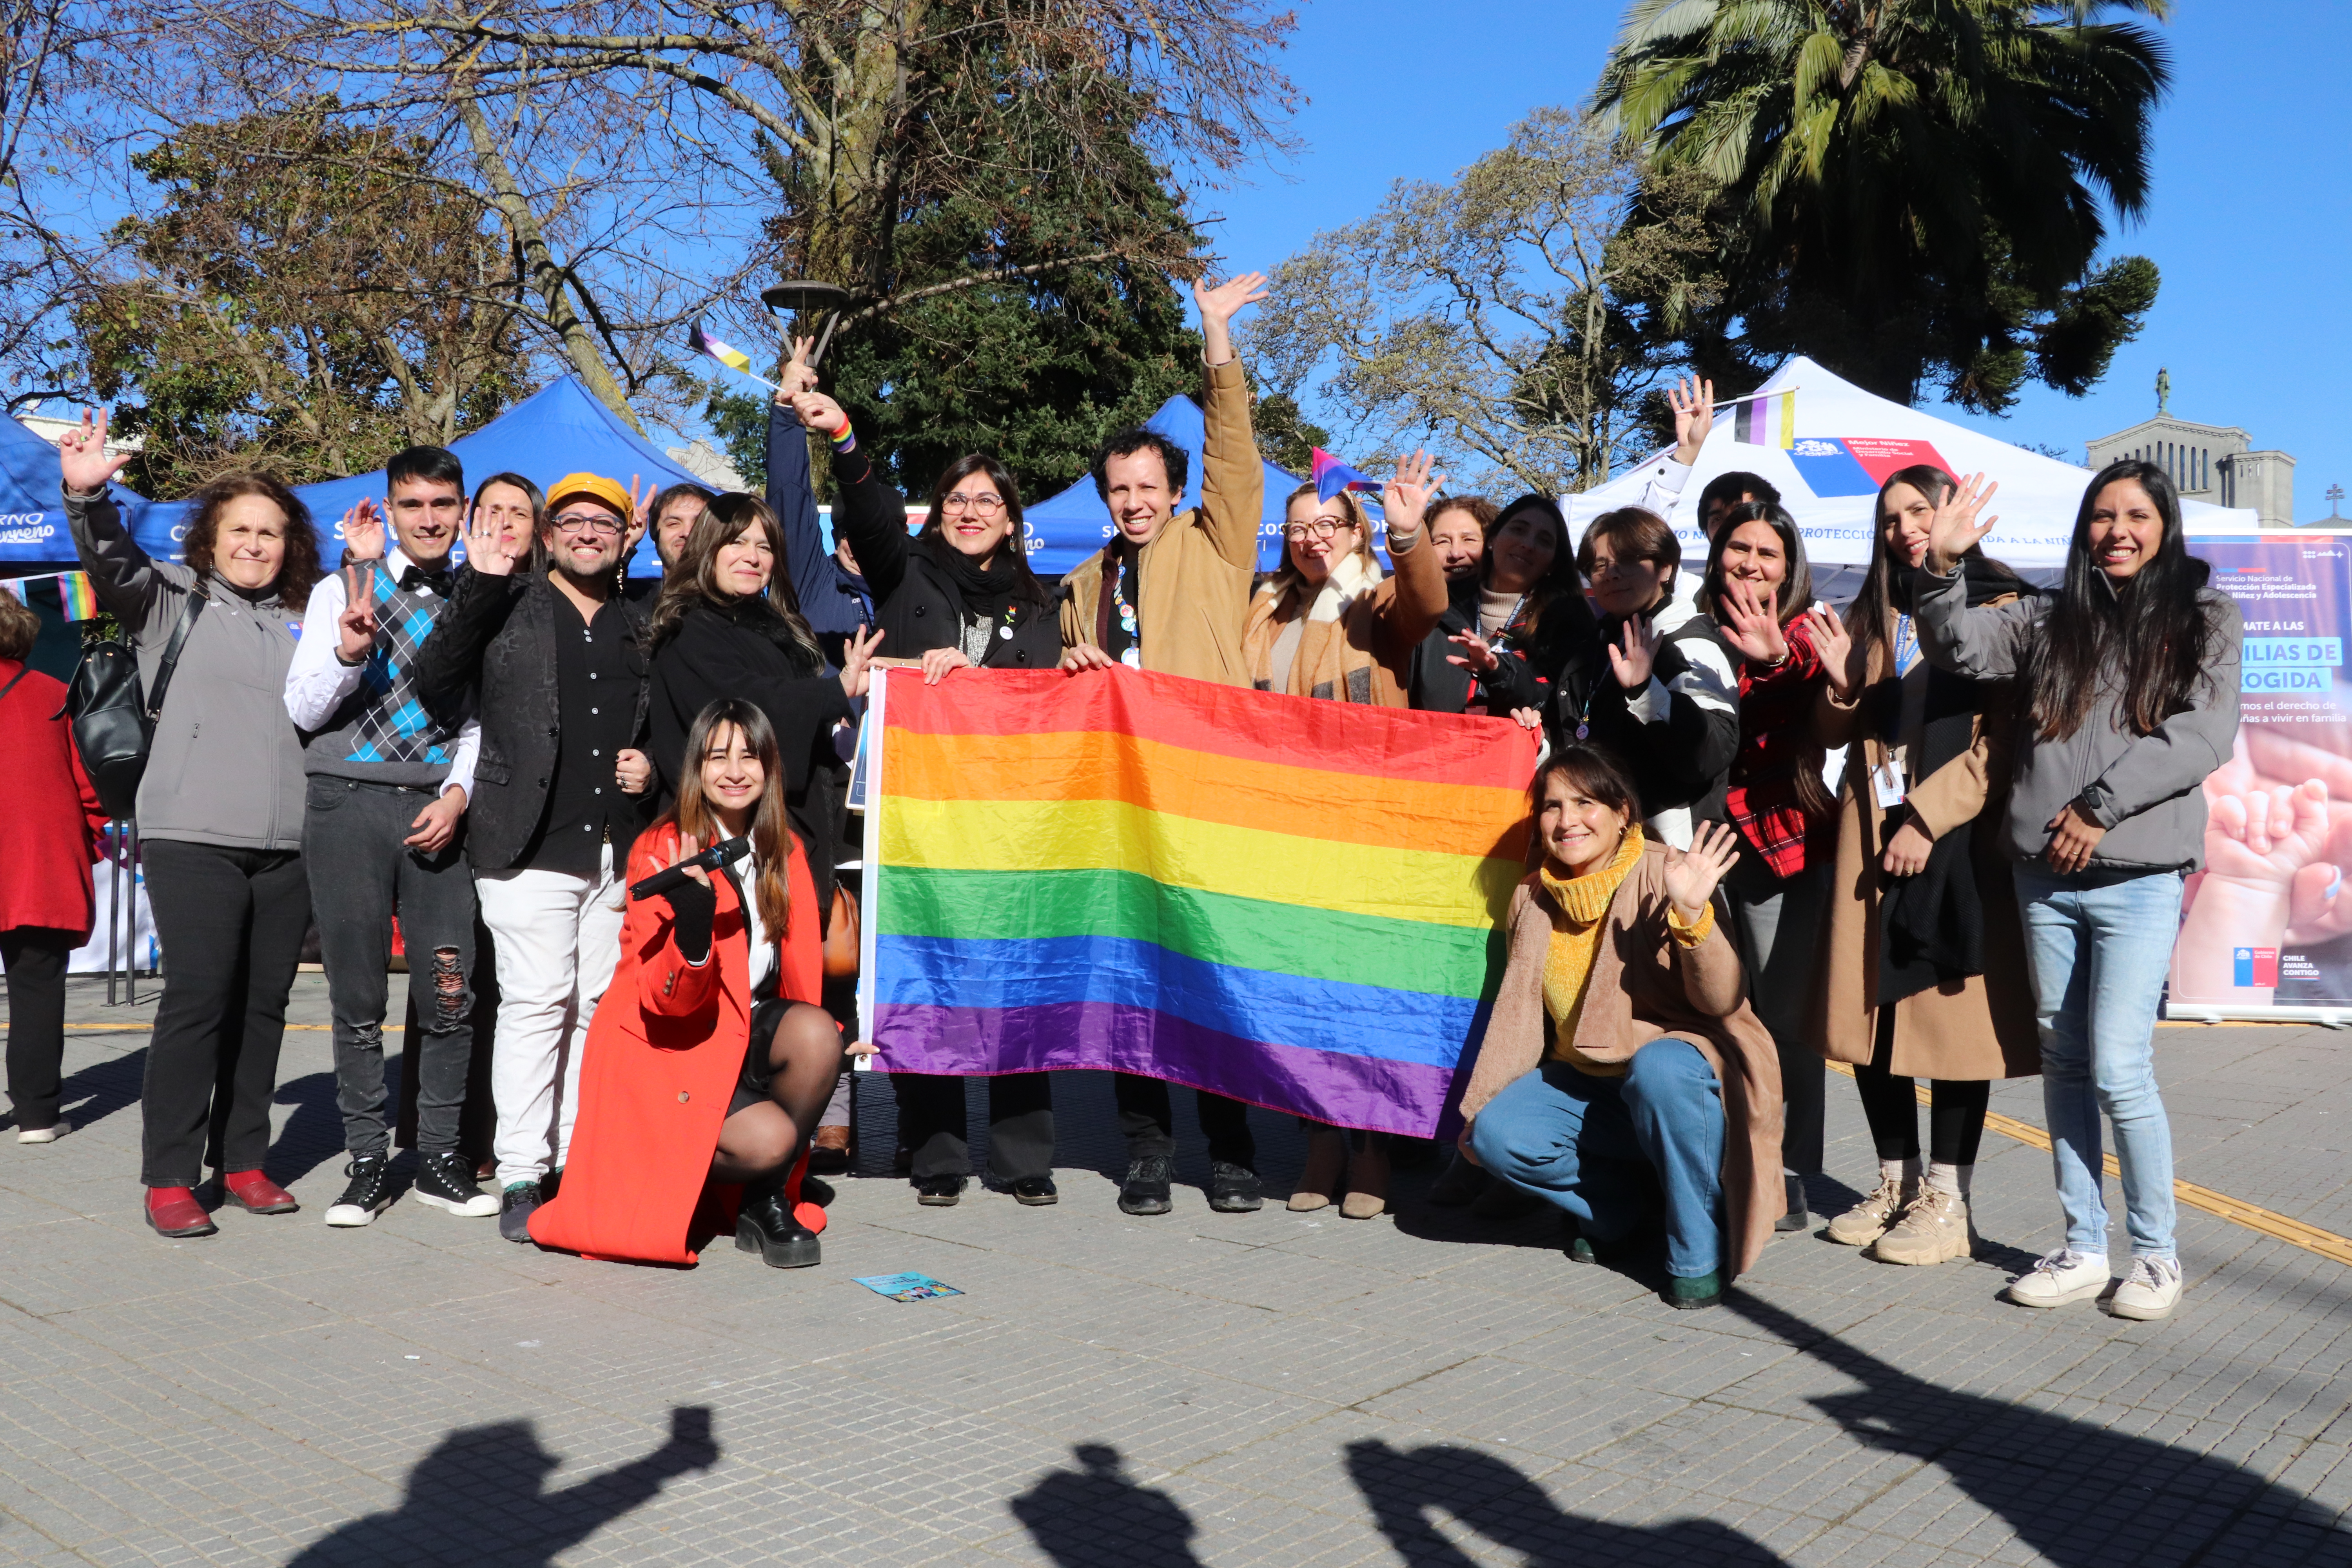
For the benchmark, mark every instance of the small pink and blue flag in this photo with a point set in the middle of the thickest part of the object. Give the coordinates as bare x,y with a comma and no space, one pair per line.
1331,476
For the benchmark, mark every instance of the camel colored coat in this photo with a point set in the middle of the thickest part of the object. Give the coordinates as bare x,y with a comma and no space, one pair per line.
1980,1027
1647,987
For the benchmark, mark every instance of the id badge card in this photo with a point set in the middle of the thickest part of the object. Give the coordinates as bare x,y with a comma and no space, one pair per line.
1886,784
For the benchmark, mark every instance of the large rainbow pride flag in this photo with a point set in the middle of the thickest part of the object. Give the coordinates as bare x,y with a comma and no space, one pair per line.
1292,902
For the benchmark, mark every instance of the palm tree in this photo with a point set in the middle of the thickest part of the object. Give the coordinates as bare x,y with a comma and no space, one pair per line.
1909,189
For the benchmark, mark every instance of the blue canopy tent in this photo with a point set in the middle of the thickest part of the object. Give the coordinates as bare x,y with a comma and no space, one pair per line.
1066,529
558,430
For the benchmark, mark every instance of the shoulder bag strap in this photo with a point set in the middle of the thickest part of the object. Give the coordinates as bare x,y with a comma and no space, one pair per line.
171,654
21,671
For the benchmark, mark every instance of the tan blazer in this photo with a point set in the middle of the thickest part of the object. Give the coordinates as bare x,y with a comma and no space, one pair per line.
1980,1027
1647,987
1198,570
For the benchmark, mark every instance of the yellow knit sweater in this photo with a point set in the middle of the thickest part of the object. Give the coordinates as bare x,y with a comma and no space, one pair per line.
1582,903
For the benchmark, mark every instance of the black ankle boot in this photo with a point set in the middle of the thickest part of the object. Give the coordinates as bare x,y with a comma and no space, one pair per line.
765,1224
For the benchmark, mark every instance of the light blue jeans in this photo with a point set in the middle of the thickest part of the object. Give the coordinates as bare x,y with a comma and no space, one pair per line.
1579,1141
2101,943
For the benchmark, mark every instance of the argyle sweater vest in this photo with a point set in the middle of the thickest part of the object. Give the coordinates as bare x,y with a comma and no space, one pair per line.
382,732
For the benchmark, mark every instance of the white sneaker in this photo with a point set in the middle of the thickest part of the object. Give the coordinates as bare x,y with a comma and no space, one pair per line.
2149,1291
2062,1277
39,1134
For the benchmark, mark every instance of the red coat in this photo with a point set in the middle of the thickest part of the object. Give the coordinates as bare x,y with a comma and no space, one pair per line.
50,821
663,1055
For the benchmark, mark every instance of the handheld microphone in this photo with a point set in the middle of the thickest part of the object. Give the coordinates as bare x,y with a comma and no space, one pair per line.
710,859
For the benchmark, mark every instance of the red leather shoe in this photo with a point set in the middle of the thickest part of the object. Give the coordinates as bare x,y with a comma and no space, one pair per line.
255,1192
174,1212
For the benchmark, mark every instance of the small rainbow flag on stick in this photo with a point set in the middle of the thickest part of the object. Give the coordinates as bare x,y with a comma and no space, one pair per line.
76,597
1293,903
1753,425
702,342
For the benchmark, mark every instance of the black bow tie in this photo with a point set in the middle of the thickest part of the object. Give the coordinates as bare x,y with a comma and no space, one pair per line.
414,578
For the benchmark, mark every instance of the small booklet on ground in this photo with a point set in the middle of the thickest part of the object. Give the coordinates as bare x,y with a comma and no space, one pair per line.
906,1286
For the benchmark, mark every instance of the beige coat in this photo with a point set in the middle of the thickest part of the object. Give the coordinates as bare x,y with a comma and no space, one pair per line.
1647,986
1197,571
1980,1027
1366,655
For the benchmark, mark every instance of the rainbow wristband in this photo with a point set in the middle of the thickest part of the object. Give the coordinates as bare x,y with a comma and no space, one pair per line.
844,439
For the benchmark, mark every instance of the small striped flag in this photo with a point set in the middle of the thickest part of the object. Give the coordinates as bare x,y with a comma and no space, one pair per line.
702,342
1331,476
78,598
1754,425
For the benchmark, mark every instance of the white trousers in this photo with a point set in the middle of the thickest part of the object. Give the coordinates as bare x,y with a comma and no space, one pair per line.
558,938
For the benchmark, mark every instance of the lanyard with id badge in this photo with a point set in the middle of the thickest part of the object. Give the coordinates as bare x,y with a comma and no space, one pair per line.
1886,786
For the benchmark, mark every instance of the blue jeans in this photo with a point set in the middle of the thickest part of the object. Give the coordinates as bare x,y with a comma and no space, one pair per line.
1581,1142
2100,945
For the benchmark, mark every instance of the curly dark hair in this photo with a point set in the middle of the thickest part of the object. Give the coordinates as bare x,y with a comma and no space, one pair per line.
297,572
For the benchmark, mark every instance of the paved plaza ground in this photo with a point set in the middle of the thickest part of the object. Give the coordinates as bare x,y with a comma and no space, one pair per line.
1267,1388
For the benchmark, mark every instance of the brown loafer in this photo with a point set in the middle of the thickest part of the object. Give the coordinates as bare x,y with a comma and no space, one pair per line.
255,1192
174,1212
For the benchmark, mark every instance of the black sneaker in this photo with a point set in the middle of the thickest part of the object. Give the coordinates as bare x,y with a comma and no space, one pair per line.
1149,1185
1035,1190
939,1192
368,1195
514,1206
447,1182
765,1224
1234,1189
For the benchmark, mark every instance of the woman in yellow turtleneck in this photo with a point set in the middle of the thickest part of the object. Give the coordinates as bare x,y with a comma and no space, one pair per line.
1621,1039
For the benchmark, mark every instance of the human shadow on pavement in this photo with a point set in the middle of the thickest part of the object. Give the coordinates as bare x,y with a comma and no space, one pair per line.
480,1498
97,1091
2077,1495
1489,1497
1096,1517
314,1133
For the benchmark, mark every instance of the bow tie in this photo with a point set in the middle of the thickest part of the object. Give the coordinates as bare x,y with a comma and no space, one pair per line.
413,578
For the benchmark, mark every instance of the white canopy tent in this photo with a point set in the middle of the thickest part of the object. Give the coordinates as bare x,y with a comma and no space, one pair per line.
1842,442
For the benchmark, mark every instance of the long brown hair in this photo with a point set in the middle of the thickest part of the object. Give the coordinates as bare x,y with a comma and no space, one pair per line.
695,579
1870,619
1559,583
771,830
298,569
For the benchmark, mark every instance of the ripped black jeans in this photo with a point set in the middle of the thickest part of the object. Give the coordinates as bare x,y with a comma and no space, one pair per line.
359,872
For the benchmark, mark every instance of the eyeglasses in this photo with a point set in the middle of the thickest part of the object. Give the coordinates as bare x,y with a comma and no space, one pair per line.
979,505
1321,528
591,521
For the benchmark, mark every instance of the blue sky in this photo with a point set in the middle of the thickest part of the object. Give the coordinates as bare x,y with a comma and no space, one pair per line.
2251,220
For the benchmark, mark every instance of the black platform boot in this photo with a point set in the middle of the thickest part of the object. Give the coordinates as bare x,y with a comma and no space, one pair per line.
765,1224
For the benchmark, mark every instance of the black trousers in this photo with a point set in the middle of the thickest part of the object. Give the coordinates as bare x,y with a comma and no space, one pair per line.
36,957
1019,1124
231,923
1776,926
1956,1110
1149,1121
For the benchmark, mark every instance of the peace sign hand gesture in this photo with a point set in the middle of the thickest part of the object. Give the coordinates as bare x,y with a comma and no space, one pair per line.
1956,530
798,375
1692,874
1750,624
82,459
856,671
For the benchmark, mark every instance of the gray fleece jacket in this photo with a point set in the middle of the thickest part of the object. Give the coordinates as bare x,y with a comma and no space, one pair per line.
226,766
2146,790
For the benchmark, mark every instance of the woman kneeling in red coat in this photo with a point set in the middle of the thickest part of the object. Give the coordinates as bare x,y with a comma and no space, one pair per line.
709,1061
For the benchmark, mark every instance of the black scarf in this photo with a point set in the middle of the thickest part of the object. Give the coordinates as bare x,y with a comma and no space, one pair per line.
987,585
1931,926
754,613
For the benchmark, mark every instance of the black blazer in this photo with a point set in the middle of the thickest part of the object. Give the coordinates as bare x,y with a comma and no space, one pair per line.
922,607
1527,666
743,650
499,633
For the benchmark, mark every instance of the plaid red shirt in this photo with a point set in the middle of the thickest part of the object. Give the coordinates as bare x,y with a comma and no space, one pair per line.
1776,722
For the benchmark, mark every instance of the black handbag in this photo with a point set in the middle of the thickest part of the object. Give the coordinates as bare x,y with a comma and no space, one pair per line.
113,725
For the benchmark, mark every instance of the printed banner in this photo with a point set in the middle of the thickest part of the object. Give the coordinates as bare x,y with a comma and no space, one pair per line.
2267,926
1296,903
